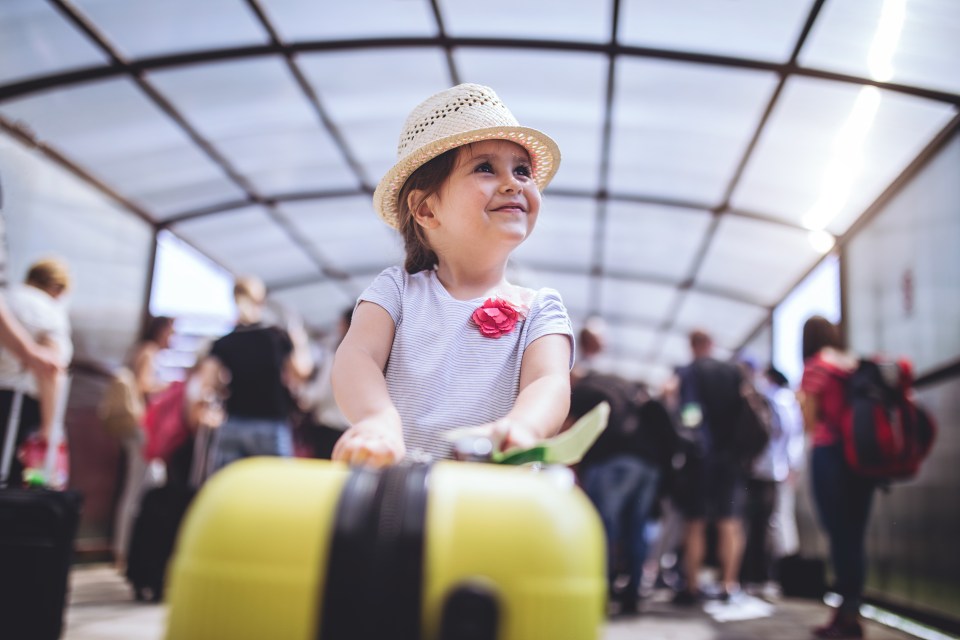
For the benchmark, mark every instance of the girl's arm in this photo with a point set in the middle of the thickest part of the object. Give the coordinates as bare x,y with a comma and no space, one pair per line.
809,409
544,399
143,370
360,389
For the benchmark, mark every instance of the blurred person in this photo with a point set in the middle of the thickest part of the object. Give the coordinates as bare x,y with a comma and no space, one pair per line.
37,305
262,363
710,400
42,361
785,537
621,473
591,340
325,423
142,362
771,476
843,498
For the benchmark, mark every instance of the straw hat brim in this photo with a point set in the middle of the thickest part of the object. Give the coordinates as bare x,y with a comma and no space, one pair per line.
544,156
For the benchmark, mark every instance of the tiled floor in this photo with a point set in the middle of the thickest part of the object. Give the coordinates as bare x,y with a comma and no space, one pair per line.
102,608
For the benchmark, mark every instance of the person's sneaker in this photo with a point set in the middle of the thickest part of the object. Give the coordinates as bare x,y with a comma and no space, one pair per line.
685,598
730,594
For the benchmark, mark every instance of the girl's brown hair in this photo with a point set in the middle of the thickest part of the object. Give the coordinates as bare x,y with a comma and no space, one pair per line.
428,178
818,332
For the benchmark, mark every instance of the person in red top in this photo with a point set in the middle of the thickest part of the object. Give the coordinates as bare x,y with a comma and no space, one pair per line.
842,497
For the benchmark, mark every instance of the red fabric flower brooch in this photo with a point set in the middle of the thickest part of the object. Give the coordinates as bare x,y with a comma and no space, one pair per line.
497,317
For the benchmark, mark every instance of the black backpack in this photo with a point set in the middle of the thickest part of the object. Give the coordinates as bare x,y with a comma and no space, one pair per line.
885,434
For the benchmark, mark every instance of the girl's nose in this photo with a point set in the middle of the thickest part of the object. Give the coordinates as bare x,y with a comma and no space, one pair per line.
511,185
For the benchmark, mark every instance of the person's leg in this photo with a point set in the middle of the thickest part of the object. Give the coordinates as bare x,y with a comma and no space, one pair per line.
756,564
129,503
49,389
608,485
268,438
726,495
750,567
784,535
694,550
831,494
228,445
857,495
730,552
640,503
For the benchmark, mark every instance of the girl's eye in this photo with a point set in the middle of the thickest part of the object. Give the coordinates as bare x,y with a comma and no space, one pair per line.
524,170
484,167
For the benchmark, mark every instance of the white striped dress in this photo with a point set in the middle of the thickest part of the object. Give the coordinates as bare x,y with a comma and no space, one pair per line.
442,373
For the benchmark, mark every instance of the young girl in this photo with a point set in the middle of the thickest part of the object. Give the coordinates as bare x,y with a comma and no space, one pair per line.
447,341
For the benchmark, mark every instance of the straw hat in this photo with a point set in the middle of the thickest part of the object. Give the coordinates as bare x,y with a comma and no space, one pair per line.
460,115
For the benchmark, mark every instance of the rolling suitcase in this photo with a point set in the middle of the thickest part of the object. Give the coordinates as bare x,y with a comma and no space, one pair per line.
37,531
156,525
298,549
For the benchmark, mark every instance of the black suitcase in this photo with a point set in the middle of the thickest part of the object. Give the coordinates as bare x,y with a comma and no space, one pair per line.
802,577
156,525
151,543
37,531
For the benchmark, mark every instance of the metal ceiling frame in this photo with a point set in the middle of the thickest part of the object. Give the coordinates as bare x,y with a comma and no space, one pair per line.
136,70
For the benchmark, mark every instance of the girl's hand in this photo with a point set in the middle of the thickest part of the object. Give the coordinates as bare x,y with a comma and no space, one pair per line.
371,443
507,434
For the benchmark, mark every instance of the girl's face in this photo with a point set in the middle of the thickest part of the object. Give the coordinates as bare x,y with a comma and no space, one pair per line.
490,194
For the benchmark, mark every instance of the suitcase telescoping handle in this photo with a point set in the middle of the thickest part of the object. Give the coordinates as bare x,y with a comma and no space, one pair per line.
57,436
10,439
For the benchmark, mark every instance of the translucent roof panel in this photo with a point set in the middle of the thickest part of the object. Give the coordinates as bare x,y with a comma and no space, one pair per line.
758,260
563,235
125,139
679,130
300,20
728,321
141,28
747,28
830,148
567,105
319,304
347,233
248,240
631,340
370,124
568,19
256,115
636,301
653,240
913,43
27,28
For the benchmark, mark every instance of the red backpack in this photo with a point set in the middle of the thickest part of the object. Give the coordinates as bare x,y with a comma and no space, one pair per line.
886,435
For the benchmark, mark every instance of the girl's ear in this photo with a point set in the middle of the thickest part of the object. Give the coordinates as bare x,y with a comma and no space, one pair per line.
420,206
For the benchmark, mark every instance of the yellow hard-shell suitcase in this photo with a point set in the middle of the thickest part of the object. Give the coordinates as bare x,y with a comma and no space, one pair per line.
310,549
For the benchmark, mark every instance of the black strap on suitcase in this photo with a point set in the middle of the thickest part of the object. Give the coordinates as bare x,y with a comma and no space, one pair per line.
37,531
375,564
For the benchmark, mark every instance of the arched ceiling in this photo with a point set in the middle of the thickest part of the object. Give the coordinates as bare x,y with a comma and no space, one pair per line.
713,150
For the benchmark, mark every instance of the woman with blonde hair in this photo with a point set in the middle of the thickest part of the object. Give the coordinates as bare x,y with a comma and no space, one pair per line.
37,305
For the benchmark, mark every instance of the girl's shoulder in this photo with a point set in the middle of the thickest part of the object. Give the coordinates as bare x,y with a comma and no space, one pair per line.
842,362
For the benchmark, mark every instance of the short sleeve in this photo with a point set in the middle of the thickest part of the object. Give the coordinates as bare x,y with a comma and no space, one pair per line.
815,377
386,290
547,316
